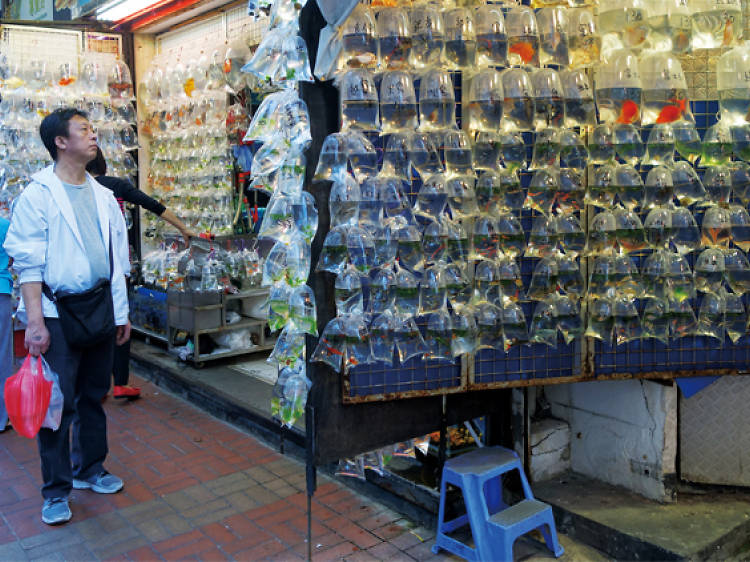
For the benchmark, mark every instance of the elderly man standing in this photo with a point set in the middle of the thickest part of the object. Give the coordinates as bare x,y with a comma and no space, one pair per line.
68,241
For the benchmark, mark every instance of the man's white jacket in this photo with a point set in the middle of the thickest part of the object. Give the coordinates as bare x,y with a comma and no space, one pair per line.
44,241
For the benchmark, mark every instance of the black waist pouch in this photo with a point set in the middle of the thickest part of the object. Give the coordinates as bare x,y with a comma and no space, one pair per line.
87,318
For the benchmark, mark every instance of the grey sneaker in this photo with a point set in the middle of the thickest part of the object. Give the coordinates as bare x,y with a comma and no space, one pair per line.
102,483
56,511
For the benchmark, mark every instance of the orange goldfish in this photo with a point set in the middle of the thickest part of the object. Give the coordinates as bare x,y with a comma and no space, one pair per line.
333,351
728,33
670,113
66,81
227,66
189,86
523,49
629,113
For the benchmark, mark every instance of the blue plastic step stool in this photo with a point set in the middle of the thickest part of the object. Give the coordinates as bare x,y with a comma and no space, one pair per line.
494,525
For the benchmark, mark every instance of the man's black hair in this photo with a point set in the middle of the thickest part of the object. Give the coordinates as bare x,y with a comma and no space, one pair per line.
57,124
98,166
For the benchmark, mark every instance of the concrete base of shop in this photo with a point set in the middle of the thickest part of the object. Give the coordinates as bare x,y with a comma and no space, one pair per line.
702,523
705,523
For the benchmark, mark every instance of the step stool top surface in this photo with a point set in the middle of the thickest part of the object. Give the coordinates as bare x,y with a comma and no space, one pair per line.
481,460
516,513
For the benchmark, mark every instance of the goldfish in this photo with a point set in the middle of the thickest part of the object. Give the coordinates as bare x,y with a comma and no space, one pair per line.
728,33
670,113
333,351
523,49
227,66
629,112
189,86
66,81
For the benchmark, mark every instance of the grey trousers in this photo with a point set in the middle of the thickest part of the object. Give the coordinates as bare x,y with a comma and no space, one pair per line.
6,352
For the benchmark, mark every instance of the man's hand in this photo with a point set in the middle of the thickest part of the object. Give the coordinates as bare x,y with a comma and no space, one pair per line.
37,338
123,334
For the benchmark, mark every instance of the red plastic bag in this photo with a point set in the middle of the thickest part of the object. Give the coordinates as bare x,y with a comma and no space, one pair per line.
27,395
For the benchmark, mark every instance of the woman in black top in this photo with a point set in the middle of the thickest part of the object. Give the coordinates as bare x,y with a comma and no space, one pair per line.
123,190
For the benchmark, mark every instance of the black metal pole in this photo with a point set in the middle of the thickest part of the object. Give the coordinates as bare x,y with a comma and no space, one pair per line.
310,472
443,446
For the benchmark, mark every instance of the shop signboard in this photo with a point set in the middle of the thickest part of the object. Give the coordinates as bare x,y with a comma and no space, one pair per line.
50,10
36,10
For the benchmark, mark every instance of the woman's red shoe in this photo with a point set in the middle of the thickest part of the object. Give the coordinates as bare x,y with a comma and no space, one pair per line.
126,392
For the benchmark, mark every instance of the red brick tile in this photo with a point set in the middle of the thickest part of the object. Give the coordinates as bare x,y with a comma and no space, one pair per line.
194,547
336,553
386,551
6,535
319,510
378,520
247,542
202,473
178,541
366,512
391,531
323,542
219,533
268,548
264,510
174,483
22,506
120,558
143,553
337,496
240,525
27,525
268,521
300,524
288,535
347,506
361,556
351,532
7,495
138,492
26,490
121,500
327,489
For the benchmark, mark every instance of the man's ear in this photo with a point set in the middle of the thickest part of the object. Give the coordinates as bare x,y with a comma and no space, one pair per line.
61,142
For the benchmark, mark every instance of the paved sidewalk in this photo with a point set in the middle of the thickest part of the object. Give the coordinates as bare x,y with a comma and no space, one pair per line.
195,488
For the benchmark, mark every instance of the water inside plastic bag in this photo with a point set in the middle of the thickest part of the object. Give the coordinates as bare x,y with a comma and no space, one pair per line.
569,319
463,332
438,336
515,331
408,339
432,290
348,292
711,317
544,279
407,292
627,322
381,337
544,323
600,321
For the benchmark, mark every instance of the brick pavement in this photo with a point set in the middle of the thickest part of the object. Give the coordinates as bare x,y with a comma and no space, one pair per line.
195,488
